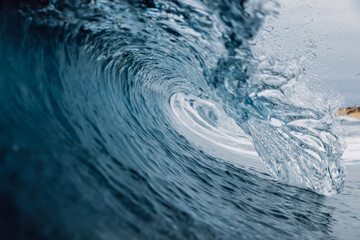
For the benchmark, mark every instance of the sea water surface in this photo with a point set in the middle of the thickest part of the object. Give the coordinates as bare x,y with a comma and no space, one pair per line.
166,120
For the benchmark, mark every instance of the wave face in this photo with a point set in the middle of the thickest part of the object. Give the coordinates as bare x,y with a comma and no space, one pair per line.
121,115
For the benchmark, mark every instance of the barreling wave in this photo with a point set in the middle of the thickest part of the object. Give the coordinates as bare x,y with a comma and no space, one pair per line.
107,81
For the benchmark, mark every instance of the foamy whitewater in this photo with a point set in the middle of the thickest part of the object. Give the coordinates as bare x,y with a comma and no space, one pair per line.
165,120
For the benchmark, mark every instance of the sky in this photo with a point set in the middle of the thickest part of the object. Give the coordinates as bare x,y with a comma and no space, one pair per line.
328,33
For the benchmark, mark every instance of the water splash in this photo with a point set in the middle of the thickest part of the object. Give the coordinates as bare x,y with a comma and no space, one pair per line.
292,128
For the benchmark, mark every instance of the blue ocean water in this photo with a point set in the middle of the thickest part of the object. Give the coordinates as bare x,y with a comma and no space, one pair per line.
155,120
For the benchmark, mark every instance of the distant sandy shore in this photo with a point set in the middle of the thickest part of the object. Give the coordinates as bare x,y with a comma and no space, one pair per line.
353,112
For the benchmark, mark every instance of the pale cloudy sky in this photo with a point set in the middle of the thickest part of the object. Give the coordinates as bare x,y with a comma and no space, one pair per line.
330,29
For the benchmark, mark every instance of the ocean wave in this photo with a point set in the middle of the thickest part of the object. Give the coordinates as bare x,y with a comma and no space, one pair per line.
116,99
